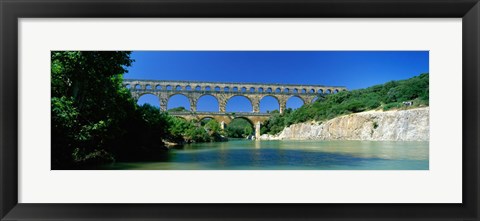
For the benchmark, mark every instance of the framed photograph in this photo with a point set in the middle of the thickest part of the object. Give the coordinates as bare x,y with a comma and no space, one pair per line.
257,110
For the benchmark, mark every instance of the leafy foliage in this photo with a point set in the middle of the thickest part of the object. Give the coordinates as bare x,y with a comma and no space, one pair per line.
183,131
89,105
239,128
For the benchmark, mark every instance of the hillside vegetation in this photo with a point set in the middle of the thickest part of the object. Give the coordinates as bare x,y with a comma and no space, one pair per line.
390,95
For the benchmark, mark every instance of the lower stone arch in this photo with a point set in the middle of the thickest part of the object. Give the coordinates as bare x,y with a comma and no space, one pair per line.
245,118
206,117
181,117
234,130
221,120
202,118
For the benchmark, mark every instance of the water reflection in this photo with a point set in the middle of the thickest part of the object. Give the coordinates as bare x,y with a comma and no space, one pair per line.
257,144
292,155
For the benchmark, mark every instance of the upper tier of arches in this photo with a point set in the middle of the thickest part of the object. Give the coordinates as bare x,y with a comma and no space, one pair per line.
219,87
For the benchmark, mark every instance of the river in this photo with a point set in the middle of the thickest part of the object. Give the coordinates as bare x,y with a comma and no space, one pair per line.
291,155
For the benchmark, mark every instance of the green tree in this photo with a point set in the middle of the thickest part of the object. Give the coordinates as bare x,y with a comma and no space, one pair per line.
239,128
88,105
213,126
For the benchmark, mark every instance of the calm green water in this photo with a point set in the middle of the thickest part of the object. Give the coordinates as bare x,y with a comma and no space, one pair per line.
292,155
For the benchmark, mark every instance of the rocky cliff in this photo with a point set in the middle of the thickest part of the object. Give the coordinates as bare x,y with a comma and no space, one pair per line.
396,125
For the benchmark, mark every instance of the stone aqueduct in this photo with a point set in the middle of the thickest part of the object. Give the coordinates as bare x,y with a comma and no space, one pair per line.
223,91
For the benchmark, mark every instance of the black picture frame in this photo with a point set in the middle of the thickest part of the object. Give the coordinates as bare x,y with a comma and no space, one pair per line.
11,11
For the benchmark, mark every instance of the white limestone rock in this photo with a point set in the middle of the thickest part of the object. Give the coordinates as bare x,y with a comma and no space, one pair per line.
396,125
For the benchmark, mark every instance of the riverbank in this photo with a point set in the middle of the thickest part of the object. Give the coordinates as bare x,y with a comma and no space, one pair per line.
394,125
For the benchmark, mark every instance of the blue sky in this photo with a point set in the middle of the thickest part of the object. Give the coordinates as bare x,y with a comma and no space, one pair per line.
353,69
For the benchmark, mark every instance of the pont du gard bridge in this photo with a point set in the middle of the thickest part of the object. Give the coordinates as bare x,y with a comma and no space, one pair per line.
222,92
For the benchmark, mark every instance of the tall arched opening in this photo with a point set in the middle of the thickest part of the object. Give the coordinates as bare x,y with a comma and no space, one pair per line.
269,104
294,102
239,104
207,103
149,99
178,103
